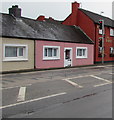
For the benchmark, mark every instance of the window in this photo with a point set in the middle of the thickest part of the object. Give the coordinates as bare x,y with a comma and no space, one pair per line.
111,50
14,52
111,32
81,52
51,52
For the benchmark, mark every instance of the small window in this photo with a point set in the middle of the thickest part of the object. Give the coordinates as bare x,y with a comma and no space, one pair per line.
111,32
111,50
13,52
51,52
81,52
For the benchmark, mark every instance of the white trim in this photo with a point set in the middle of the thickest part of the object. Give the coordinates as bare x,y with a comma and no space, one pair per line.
18,58
68,48
86,52
111,50
53,57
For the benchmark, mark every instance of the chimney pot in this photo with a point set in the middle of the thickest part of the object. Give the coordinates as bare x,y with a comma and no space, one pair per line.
41,18
50,18
15,11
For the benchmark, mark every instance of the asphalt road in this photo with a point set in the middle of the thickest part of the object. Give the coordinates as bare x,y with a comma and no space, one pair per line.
84,92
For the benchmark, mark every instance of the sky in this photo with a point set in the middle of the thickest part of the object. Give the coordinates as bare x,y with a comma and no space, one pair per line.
58,9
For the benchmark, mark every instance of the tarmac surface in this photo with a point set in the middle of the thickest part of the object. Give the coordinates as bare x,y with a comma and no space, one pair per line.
73,93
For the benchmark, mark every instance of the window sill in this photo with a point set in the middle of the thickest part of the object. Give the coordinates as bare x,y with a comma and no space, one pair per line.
14,60
111,35
51,58
81,57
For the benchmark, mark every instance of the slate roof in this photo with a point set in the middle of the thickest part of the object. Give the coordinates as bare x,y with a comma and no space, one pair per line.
46,30
96,17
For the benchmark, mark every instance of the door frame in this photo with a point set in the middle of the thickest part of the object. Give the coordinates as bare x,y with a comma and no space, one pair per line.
68,48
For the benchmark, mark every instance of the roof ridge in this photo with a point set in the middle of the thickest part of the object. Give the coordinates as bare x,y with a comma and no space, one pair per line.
96,14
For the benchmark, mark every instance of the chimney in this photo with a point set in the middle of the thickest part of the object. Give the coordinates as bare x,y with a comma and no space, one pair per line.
41,18
50,18
75,7
15,11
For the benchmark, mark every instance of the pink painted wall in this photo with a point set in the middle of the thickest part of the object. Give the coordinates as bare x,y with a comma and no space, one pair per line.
40,63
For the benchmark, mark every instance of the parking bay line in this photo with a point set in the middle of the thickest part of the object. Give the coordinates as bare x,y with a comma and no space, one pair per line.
21,95
33,100
101,84
111,73
73,83
99,78
15,87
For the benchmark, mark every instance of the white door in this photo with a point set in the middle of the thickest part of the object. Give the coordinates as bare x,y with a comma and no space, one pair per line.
67,57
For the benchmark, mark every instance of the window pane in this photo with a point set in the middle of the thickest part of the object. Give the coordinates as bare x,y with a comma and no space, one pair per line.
84,52
49,52
21,51
67,56
111,50
79,52
45,52
55,52
10,51
111,32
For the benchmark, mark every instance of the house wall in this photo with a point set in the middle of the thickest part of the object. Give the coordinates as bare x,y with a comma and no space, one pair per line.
40,63
67,21
19,65
86,24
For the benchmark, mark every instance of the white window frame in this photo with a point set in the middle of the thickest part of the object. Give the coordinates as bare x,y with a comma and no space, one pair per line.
111,32
18,58
86,52
111,50
53,57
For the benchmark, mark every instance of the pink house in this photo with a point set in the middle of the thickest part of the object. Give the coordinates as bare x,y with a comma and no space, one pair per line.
62,46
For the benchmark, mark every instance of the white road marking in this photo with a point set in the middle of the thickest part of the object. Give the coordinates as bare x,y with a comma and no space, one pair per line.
33,100
73,83
111,73
101,78
21,95
15,87
106,81
76,77
101,84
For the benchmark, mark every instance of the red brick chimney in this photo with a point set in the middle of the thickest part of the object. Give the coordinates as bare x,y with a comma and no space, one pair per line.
41,18
74,13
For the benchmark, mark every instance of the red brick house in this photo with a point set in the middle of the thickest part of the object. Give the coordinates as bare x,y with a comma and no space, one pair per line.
89,23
